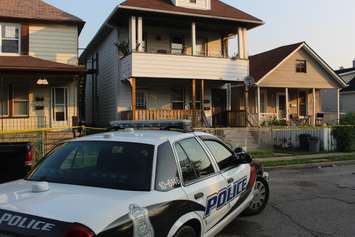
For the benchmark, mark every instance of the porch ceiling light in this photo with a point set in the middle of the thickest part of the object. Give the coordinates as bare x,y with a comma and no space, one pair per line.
42,82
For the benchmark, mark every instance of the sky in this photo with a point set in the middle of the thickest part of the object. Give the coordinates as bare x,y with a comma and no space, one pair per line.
328,26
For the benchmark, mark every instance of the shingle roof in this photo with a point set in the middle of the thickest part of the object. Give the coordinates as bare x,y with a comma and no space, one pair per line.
218,9
345,70
351,86
262,63
32,64
35,10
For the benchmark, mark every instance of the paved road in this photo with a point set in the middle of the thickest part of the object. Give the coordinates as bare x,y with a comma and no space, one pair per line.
310,202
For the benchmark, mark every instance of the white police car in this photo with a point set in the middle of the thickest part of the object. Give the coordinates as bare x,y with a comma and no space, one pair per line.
134,183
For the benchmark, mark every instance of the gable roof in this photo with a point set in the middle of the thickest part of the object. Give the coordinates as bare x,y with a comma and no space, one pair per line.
218,9
26,63
262,64
351,86
36,10
345,70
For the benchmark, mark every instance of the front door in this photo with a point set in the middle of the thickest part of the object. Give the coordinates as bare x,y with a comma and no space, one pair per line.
302,104
219,104
281,106
59,107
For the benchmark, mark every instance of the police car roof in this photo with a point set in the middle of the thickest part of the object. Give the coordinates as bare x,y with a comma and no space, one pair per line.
154,137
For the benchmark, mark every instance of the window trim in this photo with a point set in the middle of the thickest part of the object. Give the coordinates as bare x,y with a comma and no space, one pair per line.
207,138
53,104
13,101
2,24
211,159
300,69
6,88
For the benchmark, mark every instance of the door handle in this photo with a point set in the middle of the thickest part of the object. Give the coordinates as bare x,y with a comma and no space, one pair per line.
198,196
230,180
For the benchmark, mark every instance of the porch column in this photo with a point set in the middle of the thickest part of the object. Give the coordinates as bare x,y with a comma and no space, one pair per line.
134,97
314,107
242,43
193,38
246,94
287,105
259,107
193,97
140,34
203,95
132,33
338,106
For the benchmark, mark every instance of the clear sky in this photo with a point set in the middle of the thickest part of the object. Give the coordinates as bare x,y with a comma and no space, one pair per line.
327,25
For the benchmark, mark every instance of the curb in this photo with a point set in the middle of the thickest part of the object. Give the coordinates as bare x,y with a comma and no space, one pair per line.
313,165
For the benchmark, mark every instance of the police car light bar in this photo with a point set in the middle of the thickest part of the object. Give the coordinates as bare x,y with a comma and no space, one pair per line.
180,125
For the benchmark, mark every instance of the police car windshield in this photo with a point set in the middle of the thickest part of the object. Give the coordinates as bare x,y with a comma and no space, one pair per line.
117,165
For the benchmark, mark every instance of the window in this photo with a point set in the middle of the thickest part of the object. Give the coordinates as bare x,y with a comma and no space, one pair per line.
116,165
223,156
263,101
302,103
177,45
9,38
201,47
141,99
167,176
193,160
59,96
20,101
4,101
178,98
301,66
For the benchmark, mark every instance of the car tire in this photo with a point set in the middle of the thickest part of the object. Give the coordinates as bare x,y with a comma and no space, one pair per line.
261,198
186,231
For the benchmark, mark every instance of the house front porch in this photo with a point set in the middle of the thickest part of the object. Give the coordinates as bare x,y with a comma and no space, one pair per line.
205,102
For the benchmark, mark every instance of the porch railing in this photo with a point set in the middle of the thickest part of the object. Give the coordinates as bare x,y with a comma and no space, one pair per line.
20,124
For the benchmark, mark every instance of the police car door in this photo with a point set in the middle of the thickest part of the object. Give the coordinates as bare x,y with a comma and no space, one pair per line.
236,174
201,182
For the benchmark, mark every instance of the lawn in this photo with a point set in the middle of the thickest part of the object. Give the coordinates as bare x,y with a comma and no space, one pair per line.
307,161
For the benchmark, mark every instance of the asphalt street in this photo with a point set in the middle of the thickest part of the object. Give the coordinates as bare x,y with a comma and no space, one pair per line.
306,202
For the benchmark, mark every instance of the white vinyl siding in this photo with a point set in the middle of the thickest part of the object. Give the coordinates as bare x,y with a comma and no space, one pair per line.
58,43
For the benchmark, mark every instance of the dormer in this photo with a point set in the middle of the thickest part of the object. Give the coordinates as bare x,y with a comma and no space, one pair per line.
193,4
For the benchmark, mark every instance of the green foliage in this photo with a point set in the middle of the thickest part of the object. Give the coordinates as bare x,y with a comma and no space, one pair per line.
275,123
345,135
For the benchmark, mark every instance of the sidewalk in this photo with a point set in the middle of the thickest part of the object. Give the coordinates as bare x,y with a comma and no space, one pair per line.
311,157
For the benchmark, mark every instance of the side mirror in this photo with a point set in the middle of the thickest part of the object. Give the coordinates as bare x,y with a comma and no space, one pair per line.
243,156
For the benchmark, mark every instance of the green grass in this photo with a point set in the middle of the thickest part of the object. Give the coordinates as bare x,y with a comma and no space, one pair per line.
307,161
259,154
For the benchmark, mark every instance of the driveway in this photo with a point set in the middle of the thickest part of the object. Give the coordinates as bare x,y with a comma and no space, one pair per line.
307,202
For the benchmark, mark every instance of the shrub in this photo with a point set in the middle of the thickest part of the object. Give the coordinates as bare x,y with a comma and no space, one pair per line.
345,136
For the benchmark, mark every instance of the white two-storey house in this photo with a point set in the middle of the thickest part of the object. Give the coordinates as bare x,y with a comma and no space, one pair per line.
168,59
39,69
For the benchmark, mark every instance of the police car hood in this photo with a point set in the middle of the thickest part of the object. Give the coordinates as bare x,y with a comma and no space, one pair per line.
94,207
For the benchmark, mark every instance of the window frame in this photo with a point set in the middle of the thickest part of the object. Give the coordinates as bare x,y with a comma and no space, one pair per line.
208,138
14,100
18,26
299,66
53,104
174,101
6,100
143,92
211,159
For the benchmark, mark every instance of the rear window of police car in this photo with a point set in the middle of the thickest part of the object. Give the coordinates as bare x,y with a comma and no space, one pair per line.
117,165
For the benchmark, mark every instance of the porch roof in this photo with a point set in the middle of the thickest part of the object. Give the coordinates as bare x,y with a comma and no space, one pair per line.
26,63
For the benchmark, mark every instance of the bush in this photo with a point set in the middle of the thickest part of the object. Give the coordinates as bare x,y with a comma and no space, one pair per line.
275,123
345,136
304,141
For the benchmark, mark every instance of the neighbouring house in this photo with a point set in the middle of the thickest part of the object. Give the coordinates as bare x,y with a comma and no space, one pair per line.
165,59
288,82
347,95
39,70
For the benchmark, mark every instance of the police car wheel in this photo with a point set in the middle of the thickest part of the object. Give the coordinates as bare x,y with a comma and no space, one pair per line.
186,231
261,198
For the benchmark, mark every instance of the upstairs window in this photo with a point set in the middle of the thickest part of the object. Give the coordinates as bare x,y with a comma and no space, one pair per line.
9,38
301,66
